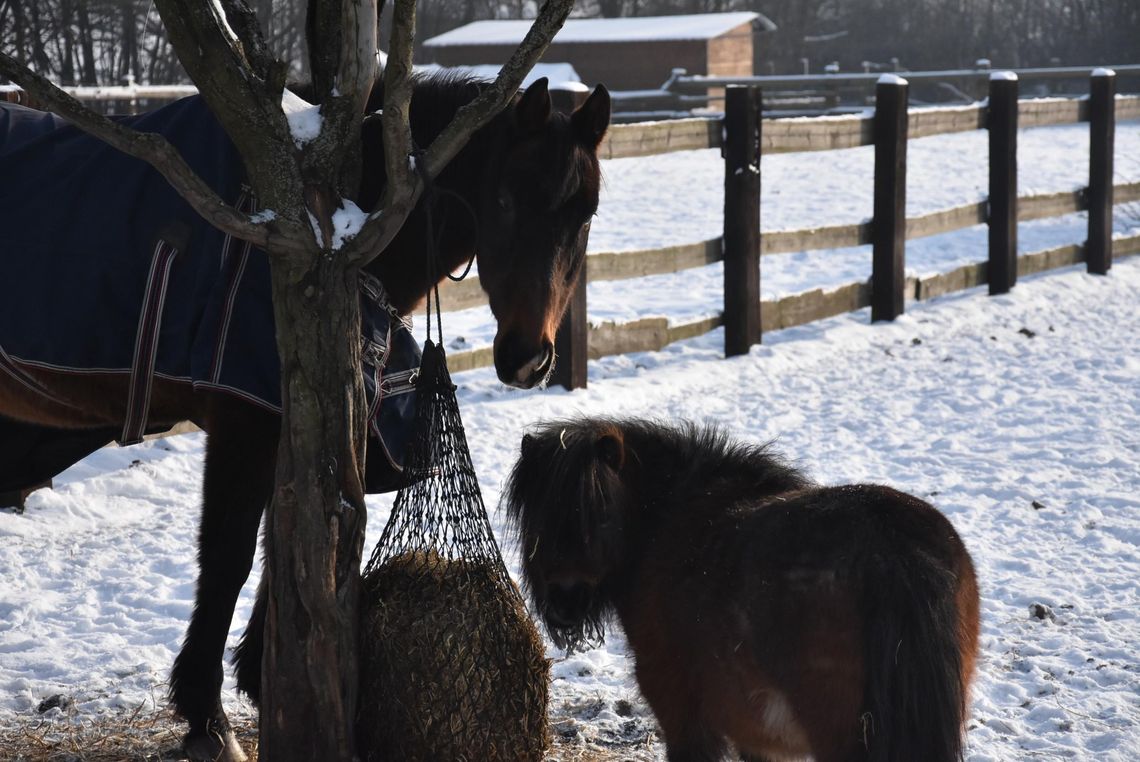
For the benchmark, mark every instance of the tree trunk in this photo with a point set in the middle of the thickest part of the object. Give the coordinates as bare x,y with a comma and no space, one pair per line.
67,67
314,579
88,46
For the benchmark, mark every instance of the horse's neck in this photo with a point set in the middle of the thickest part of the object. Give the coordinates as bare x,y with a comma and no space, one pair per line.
405,269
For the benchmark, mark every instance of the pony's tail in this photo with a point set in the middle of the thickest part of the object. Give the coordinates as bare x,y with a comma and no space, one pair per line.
915,699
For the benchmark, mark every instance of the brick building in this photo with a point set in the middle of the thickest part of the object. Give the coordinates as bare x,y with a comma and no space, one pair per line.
623,53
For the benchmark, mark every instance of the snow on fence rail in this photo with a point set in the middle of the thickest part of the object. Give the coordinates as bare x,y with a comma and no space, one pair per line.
888,132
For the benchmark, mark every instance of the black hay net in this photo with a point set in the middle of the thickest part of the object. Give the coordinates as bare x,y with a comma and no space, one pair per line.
441,510
453,666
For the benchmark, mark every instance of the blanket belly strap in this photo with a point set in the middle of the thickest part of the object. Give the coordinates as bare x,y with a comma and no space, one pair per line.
174,237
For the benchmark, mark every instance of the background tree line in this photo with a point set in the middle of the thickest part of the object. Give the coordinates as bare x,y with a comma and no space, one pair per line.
945,34
111,42
105,42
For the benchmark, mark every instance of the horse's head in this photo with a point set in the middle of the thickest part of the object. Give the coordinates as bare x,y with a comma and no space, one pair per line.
535,213
531,178
569,504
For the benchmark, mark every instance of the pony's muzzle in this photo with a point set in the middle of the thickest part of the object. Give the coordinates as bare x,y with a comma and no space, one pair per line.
567,603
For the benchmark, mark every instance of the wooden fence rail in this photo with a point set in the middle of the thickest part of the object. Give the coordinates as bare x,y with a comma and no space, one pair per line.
622,265
828,133
652,334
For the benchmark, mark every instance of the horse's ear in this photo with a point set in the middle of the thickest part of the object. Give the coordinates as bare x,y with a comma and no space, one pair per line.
611,449
533,109
592,118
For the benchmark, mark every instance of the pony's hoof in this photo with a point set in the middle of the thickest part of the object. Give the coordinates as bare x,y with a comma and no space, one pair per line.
213,746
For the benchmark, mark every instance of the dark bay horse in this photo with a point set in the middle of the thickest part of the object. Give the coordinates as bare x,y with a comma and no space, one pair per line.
764,612
519,197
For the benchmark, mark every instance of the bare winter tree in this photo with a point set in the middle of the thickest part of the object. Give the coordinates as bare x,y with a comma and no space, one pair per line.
316,520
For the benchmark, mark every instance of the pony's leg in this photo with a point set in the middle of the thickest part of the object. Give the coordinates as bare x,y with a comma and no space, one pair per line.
238,481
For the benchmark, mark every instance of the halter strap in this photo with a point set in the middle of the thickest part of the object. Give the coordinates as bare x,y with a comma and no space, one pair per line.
432,243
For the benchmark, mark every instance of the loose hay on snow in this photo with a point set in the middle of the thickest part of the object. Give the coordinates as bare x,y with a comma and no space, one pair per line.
142,735
453,668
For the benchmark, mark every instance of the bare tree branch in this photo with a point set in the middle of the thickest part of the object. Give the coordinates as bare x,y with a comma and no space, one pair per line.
401,190
349,28
153,149
247,106
243,20
492,100
404,187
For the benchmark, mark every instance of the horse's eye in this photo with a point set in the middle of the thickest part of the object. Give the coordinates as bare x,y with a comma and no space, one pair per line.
505,201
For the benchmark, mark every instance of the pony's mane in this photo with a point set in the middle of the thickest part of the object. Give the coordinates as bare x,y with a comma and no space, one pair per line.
706,452
560,461
560,465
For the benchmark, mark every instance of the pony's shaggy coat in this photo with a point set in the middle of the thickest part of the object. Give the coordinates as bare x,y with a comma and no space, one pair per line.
764,612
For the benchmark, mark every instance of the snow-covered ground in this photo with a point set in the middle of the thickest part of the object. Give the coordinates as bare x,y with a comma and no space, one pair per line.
1019,416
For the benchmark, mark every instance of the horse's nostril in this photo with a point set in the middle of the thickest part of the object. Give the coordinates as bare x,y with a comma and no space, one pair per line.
535,370
547,359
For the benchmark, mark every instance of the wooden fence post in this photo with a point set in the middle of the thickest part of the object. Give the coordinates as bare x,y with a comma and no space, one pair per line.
570,343
1002,217
570,349
1102,129
888,228
741,219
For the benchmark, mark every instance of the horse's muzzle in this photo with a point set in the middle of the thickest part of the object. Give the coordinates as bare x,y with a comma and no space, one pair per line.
530,372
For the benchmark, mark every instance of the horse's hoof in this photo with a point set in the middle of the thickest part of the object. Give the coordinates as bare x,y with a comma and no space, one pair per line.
213,746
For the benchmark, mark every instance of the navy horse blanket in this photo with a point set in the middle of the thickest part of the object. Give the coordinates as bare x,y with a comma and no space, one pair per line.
105,269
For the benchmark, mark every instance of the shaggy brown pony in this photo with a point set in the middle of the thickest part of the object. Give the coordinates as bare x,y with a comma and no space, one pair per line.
764,612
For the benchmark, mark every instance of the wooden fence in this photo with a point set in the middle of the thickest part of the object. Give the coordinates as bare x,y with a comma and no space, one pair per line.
744,136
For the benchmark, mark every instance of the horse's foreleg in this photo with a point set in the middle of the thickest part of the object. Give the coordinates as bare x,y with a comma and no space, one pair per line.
247,656
240,456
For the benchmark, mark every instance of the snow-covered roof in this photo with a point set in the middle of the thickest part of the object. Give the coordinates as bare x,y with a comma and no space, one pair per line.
556,73
701,26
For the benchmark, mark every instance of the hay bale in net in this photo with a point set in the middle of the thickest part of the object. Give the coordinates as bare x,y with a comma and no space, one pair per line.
452,666
455,668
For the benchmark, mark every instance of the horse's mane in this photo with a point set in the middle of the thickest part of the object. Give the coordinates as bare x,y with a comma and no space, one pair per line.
436,96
